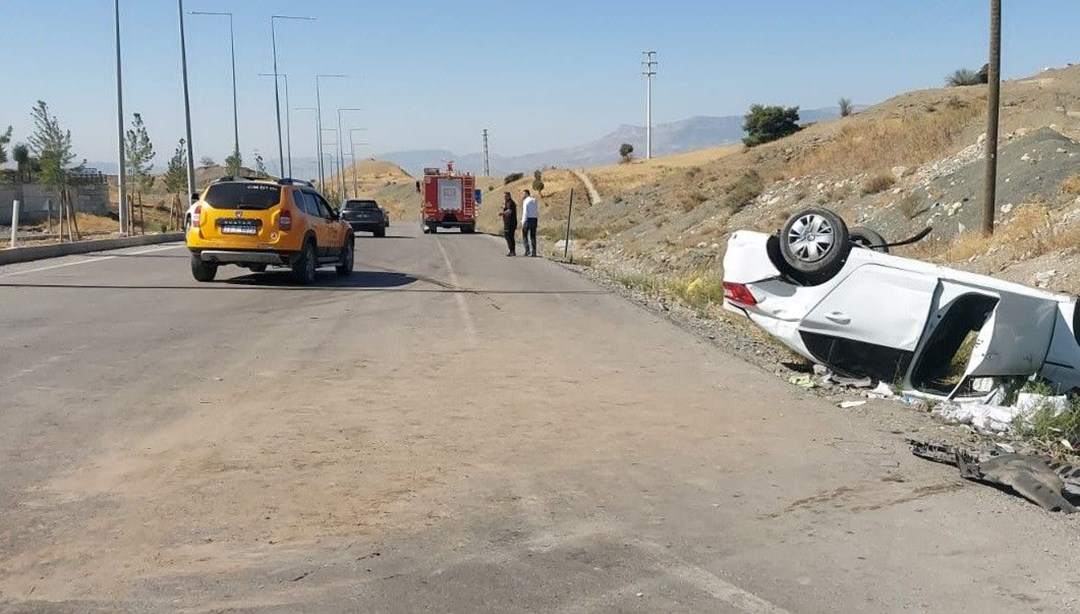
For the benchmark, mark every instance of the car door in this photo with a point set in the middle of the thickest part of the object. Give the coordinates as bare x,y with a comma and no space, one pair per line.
332,229
875,304
1015,338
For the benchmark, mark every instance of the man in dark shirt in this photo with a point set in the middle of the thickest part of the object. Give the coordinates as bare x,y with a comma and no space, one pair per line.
509,216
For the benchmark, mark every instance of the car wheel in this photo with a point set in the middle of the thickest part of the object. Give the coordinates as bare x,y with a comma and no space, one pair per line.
202,271
815,243
380,232
348,258
257,268
864,237
433,230
303,269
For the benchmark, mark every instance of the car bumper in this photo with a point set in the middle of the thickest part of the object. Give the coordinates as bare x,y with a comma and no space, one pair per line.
366,226
221,256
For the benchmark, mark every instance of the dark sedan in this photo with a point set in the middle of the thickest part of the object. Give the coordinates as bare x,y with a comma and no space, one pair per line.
365,216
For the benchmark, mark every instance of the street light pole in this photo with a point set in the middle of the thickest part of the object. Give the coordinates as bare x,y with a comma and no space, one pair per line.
187,105
232,52
352,154
648,70
341,156
122,180
277,97
288,118
318,118
330,154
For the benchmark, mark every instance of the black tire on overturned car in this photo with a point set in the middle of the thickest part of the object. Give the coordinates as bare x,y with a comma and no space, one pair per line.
815,244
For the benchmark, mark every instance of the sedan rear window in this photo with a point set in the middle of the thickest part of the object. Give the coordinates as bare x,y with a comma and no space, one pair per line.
243,195
355,205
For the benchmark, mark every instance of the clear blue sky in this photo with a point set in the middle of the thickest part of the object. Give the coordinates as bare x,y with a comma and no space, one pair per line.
538,75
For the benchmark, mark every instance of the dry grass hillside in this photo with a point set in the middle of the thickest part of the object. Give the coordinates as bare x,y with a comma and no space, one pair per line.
911,161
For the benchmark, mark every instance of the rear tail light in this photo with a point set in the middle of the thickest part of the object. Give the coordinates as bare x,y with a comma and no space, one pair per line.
739,293
284,220
196,216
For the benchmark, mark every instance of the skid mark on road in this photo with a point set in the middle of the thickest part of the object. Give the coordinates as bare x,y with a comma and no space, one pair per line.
91,259
470,326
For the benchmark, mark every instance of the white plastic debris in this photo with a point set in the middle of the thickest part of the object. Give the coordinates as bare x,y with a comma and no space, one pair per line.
882,391
986,419
850,404
1029,403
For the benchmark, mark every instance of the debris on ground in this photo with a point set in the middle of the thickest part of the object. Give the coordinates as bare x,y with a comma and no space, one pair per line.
1051,484
990,419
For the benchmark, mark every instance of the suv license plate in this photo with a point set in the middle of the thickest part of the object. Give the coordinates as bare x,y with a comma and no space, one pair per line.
239,230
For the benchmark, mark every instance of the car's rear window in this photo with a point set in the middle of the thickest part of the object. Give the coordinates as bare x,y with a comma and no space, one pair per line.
243,195
355,205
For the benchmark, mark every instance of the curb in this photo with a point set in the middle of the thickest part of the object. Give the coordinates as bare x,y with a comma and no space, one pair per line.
40,252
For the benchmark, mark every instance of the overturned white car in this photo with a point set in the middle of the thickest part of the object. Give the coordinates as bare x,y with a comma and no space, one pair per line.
838,298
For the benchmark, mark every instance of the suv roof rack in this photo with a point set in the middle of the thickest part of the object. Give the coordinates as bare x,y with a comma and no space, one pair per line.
291,181
232,178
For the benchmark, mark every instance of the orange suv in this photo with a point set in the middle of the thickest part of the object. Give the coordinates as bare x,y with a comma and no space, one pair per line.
256,223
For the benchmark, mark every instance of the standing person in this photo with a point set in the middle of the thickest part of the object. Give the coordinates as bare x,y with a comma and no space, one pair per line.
530,219
509,216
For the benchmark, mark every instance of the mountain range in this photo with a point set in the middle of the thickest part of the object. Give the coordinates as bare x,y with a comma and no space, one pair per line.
668,138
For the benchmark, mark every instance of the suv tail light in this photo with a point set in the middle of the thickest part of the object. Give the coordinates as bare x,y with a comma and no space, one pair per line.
196,216
284,220
739,293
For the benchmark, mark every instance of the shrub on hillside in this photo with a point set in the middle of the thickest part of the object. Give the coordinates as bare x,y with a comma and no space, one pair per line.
743,191
877,183
846,108
966,76
769,123
626,152
512,177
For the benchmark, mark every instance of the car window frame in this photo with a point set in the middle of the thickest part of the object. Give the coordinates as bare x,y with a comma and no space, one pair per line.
325,210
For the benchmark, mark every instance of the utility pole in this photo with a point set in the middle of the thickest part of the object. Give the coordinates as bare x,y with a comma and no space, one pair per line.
648,66
122,180
993,104
487,165
187,106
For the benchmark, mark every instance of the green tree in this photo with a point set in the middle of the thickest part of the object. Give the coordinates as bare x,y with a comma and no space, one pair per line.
846,107
5,138
768,123
21,154
51,145
626,152
207,162
538,183
139,156
176,179
234,164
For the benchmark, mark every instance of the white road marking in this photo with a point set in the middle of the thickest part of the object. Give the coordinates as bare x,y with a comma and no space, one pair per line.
470,326
91,259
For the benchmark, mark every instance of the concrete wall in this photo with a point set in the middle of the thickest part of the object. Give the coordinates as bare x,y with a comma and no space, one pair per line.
32,197
55,250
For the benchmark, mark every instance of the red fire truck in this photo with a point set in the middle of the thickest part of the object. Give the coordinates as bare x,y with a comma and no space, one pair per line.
450,199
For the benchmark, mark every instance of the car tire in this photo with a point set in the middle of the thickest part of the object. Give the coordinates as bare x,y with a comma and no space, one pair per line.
348,258
257,268
433,230
468,229
815,243
380,232
869,239
303,269
203,271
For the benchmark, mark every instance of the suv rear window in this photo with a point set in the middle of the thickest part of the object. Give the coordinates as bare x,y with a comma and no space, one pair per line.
243,195
356,205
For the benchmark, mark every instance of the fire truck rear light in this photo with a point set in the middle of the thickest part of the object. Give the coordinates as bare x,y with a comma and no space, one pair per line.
739,293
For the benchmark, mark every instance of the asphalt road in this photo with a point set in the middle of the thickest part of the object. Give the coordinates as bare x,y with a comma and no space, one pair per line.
450,430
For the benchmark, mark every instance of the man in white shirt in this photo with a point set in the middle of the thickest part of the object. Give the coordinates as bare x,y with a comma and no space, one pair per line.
530,213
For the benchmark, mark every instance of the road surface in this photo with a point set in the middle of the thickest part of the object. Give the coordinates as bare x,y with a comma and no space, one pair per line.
451,430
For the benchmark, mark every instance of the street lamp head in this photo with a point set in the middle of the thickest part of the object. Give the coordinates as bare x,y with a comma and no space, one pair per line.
221,13
293,17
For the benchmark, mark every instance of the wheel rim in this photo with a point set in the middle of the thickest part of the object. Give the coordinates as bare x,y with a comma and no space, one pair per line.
811,237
